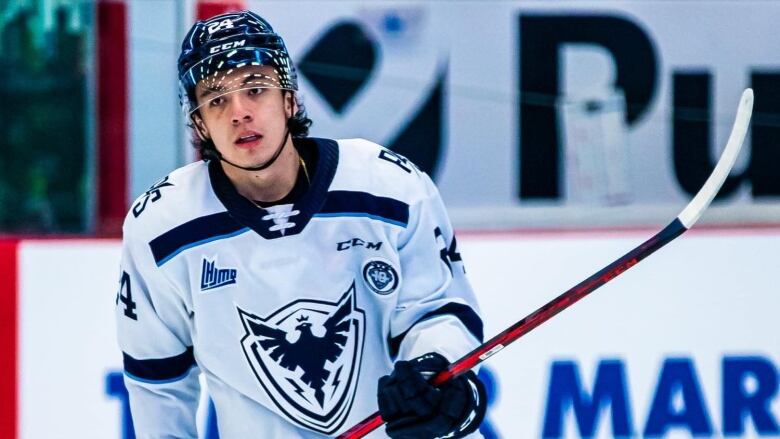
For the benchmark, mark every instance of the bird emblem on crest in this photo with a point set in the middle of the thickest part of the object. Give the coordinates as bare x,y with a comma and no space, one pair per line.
306,356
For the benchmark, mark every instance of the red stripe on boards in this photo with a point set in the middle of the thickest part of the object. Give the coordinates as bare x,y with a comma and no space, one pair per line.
8,339
112,85
206,9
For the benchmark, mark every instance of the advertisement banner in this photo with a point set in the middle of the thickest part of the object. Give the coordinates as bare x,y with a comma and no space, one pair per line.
498,113
684,344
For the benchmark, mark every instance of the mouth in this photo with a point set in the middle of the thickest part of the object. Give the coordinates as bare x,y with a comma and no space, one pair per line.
248,139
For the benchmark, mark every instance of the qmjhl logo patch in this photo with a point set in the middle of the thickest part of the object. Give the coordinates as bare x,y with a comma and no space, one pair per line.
212,277
307,357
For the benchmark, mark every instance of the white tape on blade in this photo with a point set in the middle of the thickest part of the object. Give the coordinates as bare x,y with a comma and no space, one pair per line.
696,207
491,352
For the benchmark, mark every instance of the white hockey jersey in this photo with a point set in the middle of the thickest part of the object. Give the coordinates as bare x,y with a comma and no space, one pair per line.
293,312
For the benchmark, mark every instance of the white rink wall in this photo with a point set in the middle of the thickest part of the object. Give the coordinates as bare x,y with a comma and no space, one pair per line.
611,169
684,343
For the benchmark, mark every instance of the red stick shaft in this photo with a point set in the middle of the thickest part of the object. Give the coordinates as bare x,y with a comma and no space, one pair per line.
536,318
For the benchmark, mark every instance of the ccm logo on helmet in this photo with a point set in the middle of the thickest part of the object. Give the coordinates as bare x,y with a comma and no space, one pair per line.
227,46
224,24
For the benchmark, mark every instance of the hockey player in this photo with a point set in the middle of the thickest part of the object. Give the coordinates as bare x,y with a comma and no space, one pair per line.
309,280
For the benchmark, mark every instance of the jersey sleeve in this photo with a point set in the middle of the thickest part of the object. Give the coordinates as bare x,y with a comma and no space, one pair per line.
436,310
153,329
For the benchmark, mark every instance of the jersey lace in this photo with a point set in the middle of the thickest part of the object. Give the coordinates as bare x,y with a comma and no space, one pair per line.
280,215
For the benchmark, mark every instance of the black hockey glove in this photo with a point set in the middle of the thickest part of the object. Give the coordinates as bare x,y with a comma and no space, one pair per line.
413,408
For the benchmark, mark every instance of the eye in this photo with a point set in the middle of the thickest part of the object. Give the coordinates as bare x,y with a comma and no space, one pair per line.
216,102
254,91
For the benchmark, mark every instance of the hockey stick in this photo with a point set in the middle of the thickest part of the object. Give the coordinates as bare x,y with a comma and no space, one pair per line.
682,223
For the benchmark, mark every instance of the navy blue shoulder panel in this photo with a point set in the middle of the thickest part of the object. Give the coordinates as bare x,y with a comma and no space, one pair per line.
160,370
350,203
198,231
464,313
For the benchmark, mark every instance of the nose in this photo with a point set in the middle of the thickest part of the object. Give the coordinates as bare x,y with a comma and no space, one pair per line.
240,110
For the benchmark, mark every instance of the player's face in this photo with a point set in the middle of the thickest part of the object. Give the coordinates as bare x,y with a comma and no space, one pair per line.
246,120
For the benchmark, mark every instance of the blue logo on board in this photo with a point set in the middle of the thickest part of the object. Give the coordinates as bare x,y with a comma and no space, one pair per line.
212,277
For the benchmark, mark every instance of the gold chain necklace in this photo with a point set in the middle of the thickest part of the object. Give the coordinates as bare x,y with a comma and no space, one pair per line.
305,171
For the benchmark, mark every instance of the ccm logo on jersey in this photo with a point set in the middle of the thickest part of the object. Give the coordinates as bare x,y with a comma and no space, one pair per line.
380,276
357,242
226,46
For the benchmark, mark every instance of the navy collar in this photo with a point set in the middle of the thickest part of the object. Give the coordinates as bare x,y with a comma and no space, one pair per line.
248,214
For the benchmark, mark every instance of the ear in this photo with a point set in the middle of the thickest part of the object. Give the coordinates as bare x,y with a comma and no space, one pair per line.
290,104
200,126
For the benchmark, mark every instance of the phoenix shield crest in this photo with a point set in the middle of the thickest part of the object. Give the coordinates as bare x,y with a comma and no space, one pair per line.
307,356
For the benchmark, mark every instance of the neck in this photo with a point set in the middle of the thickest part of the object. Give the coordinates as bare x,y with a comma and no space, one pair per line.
270,184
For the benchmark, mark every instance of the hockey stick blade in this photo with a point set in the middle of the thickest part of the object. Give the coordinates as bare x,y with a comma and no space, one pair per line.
682,223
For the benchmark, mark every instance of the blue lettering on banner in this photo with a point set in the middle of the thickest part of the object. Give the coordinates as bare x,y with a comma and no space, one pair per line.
115,386
211,422
565,392
488,378
741,403
678,377
749,387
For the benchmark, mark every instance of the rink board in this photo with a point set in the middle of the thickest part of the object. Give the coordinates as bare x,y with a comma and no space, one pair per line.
685,342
